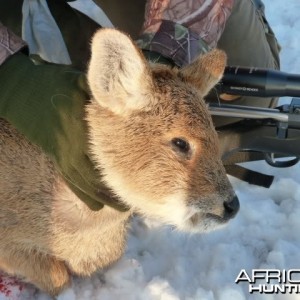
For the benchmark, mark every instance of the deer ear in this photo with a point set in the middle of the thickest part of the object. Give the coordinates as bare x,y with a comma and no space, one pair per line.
118,74
206,70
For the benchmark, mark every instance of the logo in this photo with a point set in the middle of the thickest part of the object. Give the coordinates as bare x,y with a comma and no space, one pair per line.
271,281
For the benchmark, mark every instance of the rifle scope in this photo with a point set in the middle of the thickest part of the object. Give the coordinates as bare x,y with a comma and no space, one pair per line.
259,82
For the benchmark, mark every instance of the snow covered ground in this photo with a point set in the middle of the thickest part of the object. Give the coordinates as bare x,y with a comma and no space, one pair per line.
161,264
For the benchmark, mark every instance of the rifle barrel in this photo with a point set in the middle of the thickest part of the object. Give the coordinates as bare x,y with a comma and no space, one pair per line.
245,112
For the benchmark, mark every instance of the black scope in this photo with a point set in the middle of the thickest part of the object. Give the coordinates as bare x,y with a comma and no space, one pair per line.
259,82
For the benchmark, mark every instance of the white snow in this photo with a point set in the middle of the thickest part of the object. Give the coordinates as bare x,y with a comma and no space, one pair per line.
161,264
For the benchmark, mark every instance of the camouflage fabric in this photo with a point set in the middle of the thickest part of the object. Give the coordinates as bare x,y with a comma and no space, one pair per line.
9,43
182,29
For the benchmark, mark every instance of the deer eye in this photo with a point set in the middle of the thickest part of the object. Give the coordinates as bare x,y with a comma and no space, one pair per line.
181,145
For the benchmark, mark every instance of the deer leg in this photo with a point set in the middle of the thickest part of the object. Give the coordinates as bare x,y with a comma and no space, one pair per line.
44,271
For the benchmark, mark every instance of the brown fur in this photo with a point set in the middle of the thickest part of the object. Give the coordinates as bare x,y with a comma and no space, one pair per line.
47,233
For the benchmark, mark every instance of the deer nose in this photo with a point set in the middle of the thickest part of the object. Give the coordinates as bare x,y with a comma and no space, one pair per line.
231,207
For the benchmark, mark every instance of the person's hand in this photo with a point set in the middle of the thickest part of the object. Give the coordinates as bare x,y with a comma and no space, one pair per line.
46,103
228,97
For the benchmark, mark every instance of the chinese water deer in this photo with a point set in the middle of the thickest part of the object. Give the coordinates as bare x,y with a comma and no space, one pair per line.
151,136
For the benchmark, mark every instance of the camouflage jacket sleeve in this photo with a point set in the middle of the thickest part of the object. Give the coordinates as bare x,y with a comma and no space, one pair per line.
9,43
182,29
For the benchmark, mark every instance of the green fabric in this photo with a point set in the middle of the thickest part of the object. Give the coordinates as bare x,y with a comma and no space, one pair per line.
46,104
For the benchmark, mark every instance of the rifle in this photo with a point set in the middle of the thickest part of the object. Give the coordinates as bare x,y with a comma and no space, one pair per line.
265,133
